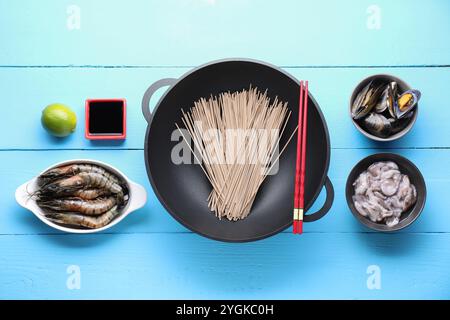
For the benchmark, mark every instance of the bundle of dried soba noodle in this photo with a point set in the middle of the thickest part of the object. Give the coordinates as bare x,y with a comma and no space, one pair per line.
236,136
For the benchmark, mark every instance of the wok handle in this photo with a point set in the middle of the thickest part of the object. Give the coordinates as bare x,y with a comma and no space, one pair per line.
149,93
326,206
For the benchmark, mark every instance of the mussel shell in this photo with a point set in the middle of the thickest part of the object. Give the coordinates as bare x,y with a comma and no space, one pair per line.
366,100
387,98
406,102
382,103
408,115
393,95
378,125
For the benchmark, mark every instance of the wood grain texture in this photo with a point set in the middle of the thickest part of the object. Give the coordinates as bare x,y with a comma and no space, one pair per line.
191,32
27,91
122,48
187,266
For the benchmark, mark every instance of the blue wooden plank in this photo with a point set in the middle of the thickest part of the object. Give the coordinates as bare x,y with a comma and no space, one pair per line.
149,251
190,32
186,266
28,91
14,171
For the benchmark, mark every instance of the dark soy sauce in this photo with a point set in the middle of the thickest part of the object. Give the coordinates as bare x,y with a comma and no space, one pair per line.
106,117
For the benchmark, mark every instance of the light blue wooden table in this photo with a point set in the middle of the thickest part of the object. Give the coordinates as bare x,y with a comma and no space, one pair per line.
67,51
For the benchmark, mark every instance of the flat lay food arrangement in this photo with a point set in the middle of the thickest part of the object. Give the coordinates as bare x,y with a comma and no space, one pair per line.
89,196
212,176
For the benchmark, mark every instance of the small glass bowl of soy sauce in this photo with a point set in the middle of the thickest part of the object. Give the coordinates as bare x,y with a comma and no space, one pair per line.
105,119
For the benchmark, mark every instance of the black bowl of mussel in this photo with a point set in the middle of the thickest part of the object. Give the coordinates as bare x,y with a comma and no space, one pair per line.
384,107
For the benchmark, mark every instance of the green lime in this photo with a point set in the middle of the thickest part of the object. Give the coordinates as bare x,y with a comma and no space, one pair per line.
59,120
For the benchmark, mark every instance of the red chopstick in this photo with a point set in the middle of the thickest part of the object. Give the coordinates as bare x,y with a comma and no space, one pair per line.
303,167
298,161
300,167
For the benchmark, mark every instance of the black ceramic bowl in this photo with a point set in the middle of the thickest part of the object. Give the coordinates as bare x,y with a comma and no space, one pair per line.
406,167
402,87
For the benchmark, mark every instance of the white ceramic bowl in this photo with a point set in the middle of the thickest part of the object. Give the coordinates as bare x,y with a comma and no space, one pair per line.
137,197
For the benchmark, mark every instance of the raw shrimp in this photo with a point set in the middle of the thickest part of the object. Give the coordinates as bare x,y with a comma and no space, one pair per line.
87,207
71,170
90,194
76,219
82,181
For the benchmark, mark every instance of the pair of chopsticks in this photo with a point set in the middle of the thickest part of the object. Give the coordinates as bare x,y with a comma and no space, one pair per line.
299,195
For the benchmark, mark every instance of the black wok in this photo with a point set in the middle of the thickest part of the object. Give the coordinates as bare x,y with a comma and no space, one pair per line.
183,189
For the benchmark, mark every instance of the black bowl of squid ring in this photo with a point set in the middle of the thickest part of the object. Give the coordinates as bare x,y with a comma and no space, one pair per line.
405,167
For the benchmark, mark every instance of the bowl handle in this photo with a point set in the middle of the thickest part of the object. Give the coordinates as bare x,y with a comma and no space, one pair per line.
138,196
149,93
22,195
326,206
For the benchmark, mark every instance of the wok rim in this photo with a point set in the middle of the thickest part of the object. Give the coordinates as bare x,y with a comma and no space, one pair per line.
161,198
